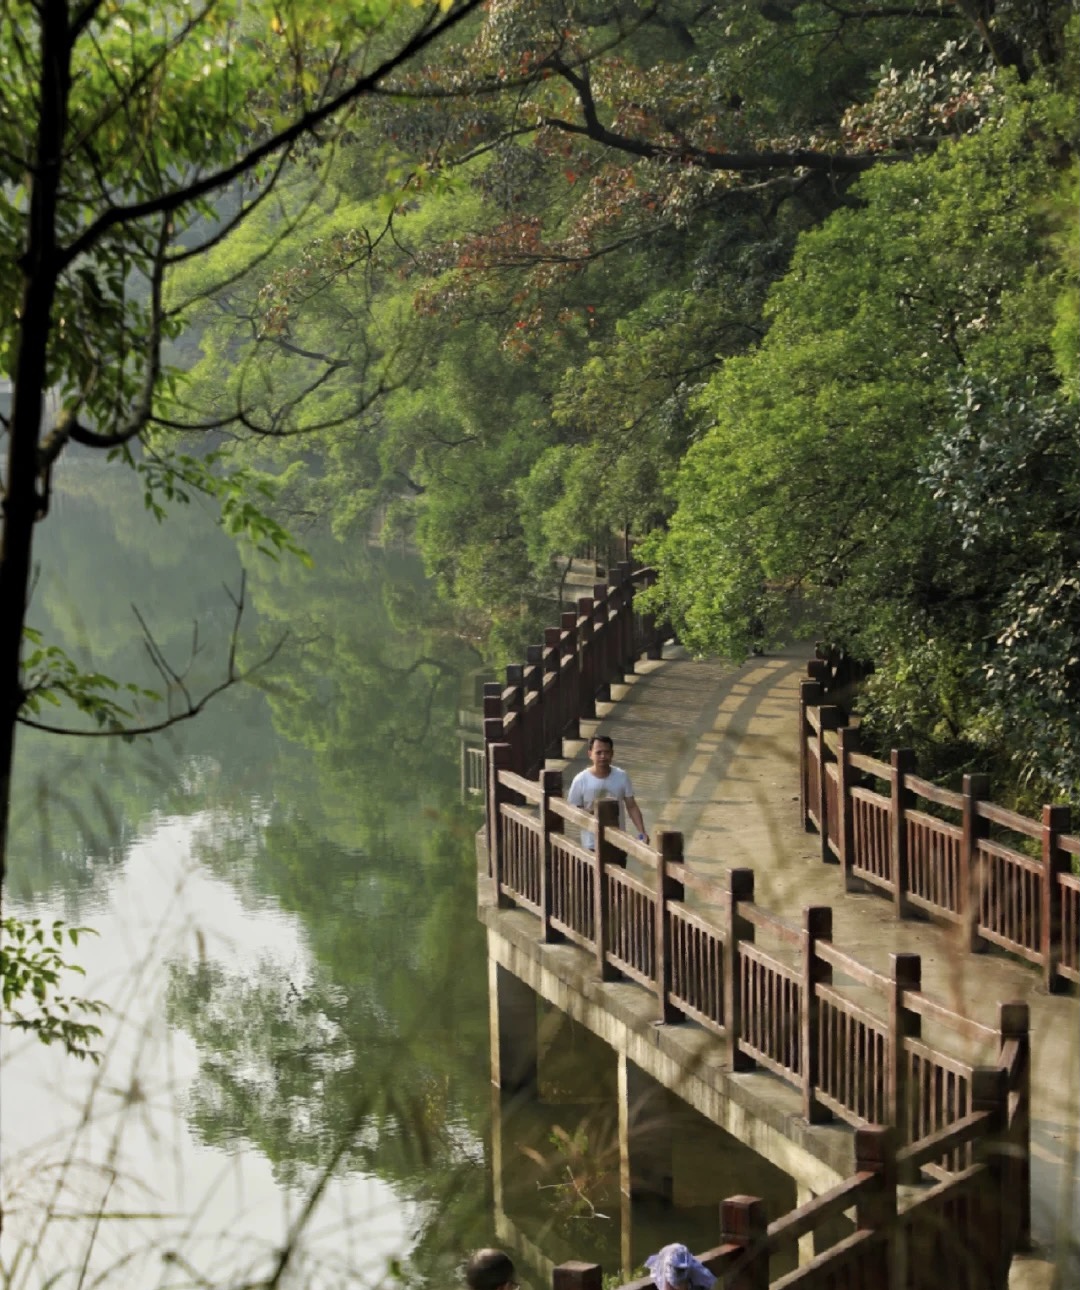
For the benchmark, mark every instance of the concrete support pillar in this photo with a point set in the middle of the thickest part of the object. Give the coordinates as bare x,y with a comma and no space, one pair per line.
645,1160
512,1010
497,1190
574,1066
803,1196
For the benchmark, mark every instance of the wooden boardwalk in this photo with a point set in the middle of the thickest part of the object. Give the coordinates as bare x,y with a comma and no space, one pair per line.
713,752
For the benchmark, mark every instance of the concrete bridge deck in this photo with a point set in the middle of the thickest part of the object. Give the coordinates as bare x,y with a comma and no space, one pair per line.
712,751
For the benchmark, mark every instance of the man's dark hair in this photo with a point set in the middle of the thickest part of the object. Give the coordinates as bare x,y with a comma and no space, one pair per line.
488,1269
601,739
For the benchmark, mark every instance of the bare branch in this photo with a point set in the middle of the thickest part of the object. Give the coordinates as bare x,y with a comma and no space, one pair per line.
166,203
175,680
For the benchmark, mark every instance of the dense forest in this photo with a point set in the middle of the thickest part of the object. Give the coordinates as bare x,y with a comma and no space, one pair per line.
783,296
786,294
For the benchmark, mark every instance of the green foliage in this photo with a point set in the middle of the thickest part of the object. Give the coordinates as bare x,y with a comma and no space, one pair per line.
31,965
52,676
898,447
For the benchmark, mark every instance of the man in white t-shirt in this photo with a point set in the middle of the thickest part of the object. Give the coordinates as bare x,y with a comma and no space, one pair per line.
601,781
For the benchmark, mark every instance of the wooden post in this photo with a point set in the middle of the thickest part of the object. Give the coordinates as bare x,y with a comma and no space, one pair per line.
906,974
571,693
903,764
514,701
1055,822
551,785
740,887
654,645
972,879
817,925
1014,1023
586,659
607,817
577,1276
875,1153
829,718
876,1209
670,848
602,635
848,777
809,697
989,1093
624,572
499,758
743,1223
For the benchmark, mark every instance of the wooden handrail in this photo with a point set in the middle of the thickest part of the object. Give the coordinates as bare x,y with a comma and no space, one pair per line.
760,917
528,788
708,888
931,1010
840,1001
936,794
523,817
871,765
1012,820
629,845
575,815
852,967
957,1134
804,1219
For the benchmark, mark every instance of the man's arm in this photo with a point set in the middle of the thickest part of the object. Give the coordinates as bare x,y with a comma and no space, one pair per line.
634,811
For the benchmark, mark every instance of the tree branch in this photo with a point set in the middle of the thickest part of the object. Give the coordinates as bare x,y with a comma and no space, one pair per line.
166,203
175,680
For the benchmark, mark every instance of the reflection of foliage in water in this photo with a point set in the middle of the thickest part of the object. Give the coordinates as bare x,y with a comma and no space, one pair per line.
382,1035
330,791
78,804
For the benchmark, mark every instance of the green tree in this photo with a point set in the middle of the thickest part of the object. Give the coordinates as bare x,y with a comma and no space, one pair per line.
119,128
841,459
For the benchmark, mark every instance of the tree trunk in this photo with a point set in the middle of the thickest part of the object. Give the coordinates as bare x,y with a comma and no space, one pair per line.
20,501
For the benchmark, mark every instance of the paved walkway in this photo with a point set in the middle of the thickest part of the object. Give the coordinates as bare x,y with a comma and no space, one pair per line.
712,751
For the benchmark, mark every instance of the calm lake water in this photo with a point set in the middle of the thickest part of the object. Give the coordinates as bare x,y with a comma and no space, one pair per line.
283,890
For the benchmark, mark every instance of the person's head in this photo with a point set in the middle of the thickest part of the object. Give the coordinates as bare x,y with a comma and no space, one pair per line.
601,750
490,1270
677,1267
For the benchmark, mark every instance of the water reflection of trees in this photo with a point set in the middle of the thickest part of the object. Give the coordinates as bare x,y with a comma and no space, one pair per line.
328,790
383,1039
79,803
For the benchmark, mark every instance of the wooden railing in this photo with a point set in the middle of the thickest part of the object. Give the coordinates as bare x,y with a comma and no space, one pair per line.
953,1235
780,993
956,857
543,699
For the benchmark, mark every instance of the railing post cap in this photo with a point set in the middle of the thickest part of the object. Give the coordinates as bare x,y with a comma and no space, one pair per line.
906,969
817,921
1056,817
669,842
575,1275
552,782
741,883
875,1145
1014,1019
742,1218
